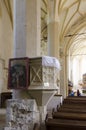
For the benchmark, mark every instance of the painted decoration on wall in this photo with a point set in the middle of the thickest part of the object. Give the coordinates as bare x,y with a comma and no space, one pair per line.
18,75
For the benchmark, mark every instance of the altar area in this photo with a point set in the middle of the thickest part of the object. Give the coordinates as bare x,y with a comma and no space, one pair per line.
83,85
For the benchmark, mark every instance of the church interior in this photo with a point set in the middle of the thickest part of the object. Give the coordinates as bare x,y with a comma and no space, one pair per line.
42,64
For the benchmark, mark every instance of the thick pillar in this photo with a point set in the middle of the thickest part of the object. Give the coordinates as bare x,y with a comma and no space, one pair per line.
33,13
19,33
26,32
53,43
53,29
19,28
63,81
27,43
26,28
27,39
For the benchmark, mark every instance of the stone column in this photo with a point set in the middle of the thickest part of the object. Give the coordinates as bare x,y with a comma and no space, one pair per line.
27,38
53,41
64,81
26,32
53,29
19,28
53,32
27,43
33,15
27,28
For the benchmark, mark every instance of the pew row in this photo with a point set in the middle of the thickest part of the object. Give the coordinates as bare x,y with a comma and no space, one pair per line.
61,124
72,101
73,106
74,110
69,115
76,97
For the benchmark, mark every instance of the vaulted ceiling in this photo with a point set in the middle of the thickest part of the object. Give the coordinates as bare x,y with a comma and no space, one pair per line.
71,15
7,5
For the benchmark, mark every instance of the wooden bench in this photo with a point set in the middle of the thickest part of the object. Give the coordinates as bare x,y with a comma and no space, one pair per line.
74,102
78,106
61,124
69,115
74,110
76,97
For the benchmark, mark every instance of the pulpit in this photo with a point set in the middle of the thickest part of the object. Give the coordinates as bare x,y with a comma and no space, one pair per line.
40,75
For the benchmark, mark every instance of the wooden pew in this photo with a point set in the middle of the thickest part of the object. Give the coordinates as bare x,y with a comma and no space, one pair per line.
73,106
74,110
70,107
74,102
61,124
69,115
70,101
76,97
73,98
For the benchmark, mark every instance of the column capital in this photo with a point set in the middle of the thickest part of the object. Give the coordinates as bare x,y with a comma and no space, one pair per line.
53,11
